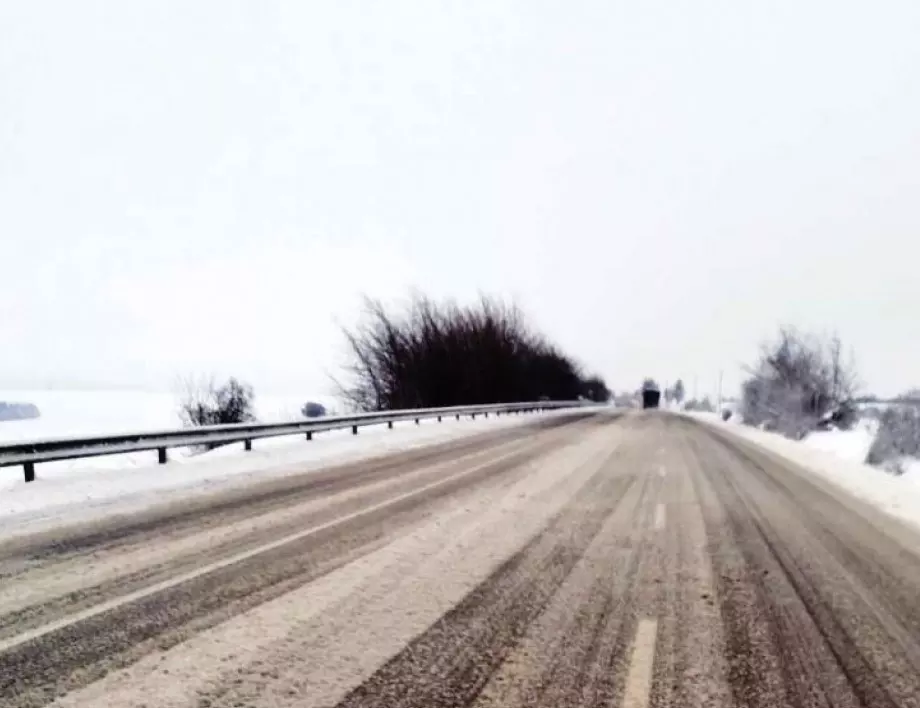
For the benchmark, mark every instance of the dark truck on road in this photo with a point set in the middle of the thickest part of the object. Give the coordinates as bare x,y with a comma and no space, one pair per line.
651,395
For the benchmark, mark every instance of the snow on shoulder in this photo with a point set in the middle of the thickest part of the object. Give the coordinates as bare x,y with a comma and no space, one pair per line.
838,457
62,494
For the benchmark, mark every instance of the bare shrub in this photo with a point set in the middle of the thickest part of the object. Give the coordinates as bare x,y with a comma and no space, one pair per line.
797,381
443,354
204,402
18,411
703,405
594,389
311,409
898,437
678,391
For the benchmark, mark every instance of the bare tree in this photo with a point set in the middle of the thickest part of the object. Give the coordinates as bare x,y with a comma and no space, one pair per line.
703,406
441,354
678,392
898,437
594,389
797,381
204,402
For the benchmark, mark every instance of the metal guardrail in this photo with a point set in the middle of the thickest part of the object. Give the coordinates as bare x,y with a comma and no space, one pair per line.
31,452
899,401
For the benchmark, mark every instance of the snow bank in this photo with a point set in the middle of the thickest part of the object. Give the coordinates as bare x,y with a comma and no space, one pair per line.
851,445
837,456
62,495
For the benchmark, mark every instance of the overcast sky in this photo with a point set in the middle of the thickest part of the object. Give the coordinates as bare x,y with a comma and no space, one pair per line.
210,186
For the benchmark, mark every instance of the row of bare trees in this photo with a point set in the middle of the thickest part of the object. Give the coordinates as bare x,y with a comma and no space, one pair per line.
432,354
443,354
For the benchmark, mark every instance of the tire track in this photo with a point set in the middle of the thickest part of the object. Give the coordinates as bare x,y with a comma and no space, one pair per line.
20,555
863,546
78,579
37,670
570,652
659,566
323,658
448,665
583,650
802,628
690,666
36,614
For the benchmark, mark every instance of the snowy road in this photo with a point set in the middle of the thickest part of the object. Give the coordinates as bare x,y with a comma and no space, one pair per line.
588,560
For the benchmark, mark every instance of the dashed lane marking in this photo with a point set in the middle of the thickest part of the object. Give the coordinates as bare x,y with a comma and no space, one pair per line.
639,679
659,517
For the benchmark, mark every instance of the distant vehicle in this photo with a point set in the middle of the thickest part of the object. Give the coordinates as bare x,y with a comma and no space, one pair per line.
313,410
651,394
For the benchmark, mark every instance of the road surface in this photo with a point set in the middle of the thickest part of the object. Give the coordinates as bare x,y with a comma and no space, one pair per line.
591,560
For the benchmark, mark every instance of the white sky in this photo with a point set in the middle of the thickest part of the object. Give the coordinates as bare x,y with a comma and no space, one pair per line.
209,186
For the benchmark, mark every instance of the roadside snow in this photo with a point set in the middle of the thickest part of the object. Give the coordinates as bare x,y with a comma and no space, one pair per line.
93,412
852,445
97,412
69,413
838,456
63,495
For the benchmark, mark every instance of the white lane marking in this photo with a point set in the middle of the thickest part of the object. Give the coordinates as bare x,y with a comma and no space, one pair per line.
217,565
639,679
659,517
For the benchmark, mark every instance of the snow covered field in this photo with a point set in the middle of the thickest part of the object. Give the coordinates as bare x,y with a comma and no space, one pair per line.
78,413
838,456
69,413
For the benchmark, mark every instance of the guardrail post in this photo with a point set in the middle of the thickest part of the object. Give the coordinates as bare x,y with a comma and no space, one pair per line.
247,445
486,414
354,430
161,455
309,435
29,469
390,424
439,419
